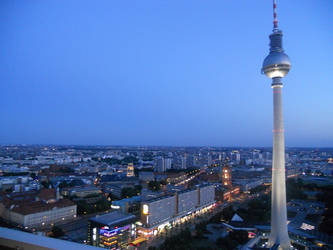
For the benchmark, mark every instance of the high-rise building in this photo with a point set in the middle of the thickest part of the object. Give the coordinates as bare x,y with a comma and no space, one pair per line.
159,165
276,65
209,159
235,156
190,161
167,163
183,161
162,164
268,156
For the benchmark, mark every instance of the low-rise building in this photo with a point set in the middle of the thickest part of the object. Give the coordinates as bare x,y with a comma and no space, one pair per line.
247,184
146,176
113,230
36,210
128,205
82,192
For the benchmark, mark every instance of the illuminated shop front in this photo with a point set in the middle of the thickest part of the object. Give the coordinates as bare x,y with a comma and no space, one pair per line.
171,223
113,230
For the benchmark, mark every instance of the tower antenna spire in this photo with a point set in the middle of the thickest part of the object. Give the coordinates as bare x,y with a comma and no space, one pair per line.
275,22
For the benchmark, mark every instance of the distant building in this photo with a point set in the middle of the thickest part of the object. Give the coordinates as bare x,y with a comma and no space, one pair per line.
229,193
130,170
209,159
247,184
235,156
175,177
146,176
168,163
82,192
90,194
183,161
160,165
114,189
191,161
226,176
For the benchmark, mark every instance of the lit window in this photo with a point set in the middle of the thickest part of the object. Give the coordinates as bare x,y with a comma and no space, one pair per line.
145,209
307,226
94,233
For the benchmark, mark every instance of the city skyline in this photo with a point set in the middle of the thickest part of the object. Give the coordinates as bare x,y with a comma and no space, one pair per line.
148,125
173,74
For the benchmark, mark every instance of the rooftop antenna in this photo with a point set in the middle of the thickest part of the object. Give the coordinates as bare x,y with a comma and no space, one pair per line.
275,22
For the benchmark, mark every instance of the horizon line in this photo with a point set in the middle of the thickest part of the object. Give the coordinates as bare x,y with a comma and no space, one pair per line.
161,146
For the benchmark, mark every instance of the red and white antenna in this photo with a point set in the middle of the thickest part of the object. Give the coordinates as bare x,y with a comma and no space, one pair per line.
275,22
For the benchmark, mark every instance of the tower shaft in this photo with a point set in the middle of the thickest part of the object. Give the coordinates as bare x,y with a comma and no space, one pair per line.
279,228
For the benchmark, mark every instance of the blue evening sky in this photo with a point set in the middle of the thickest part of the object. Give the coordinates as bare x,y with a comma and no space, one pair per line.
162,72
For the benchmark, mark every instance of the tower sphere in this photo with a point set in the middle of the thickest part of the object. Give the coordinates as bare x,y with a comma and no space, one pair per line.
276,64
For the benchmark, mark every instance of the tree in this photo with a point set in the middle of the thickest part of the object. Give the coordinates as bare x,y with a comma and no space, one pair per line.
227,213
129,159
258,210
216,218
63,184
166,229
66,170
9,190
294,190
46,184
182,241
240,236
326,196
130,191
226,243
57,232
154,185
138,188
201,229
258,189
148,156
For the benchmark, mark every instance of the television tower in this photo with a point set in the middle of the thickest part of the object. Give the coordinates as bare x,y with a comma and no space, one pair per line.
276,65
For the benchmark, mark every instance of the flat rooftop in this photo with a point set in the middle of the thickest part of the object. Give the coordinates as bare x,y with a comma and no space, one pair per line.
113,218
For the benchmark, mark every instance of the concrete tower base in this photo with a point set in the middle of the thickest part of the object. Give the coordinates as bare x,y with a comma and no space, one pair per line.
279,228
